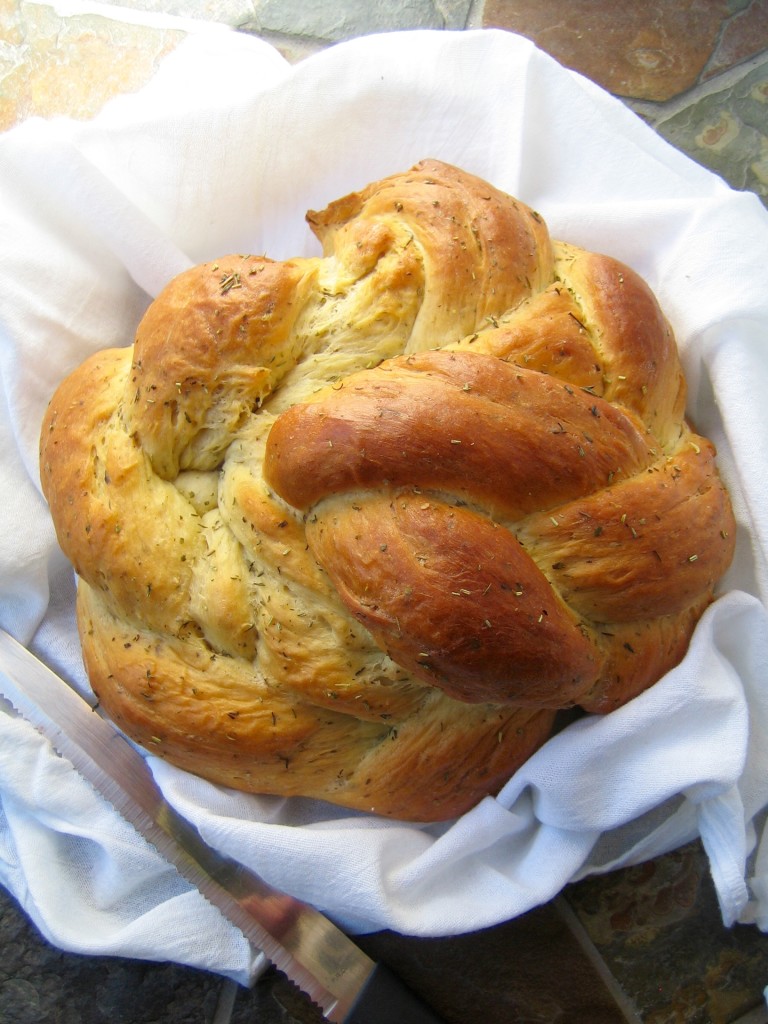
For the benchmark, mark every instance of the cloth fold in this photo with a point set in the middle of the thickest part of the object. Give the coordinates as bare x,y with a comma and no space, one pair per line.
224,151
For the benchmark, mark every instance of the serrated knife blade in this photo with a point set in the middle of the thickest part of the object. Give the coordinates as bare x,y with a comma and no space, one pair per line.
306,946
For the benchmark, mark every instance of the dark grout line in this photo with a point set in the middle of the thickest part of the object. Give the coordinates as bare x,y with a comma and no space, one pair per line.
657,113
757,1016
574,925
226,1002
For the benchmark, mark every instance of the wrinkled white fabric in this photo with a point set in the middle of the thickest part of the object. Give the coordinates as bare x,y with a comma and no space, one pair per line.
224,151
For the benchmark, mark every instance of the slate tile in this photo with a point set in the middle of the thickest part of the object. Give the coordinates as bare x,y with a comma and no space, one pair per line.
345,19
744,35
651,51
726,129
52,65
531,969
659,930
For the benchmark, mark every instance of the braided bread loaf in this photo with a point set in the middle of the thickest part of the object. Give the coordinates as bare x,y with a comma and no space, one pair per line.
355,527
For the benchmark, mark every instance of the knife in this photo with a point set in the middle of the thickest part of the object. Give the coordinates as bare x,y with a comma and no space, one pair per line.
347,985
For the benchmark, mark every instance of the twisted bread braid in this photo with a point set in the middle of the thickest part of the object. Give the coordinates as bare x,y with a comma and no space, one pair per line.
354,527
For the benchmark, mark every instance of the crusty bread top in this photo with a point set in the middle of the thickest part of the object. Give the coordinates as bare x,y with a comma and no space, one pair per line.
356,526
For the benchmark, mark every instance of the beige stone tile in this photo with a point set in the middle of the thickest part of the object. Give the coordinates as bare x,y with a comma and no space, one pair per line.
51,65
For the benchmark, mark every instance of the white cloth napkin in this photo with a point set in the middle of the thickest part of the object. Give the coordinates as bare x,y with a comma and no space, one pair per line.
223,152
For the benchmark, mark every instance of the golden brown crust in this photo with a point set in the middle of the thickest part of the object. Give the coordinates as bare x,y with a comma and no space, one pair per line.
353,527
182,701
485,250
454,599
193,379
509,438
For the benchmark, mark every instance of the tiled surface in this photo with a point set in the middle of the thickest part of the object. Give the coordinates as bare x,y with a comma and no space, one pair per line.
697,71
727,128
653,51
658,928
500,976
52,65
641,946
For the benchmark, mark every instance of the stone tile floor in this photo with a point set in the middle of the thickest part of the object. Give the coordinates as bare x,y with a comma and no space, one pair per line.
696,71
644,945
